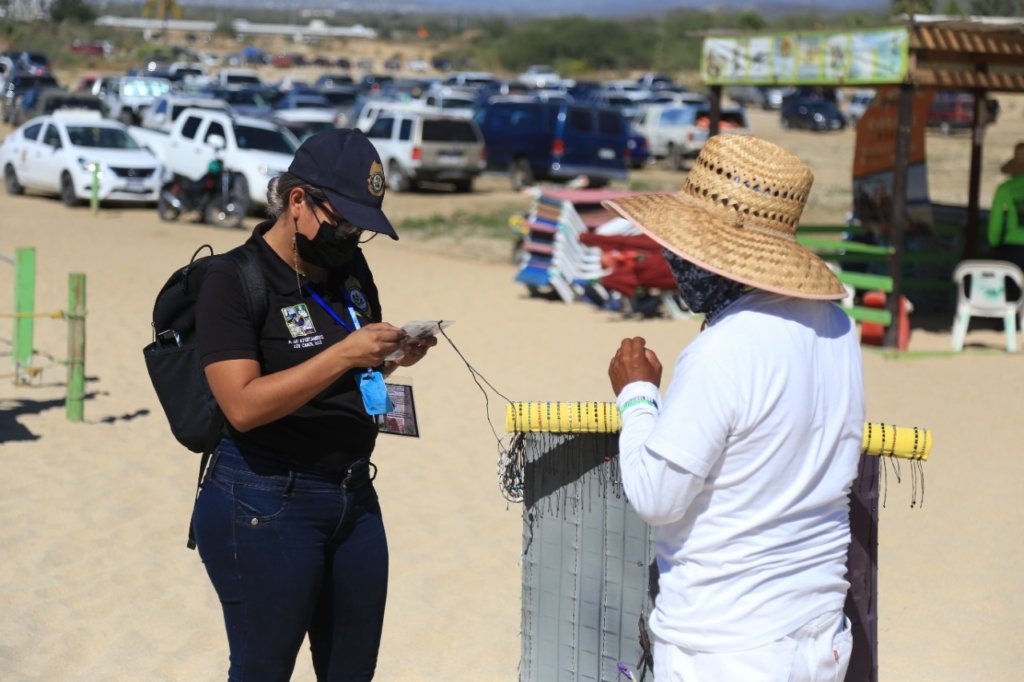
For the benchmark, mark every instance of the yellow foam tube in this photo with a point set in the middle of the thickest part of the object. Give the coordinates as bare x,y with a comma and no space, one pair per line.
909,442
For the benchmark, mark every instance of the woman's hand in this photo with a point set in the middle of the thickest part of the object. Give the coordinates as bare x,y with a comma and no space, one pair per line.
368,346
634,362
415,350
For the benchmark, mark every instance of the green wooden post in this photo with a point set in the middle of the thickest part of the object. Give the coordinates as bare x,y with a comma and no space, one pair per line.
24,308
94,199
75,401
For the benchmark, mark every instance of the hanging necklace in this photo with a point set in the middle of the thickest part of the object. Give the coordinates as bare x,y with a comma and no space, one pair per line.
295,265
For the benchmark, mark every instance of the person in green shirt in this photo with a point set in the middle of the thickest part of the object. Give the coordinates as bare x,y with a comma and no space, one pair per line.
1006,219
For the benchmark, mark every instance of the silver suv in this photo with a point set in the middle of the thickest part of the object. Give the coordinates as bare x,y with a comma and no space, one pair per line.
417,146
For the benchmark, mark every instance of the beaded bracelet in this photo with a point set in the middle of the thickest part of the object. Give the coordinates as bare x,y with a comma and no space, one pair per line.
633,402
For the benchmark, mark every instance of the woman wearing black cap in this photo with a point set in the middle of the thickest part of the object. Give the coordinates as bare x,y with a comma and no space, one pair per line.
287,522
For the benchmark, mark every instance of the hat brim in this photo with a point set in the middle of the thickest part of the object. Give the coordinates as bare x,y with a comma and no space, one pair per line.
364,217
1014,166
752,257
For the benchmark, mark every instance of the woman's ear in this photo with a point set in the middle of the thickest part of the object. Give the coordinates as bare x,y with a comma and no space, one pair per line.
296,199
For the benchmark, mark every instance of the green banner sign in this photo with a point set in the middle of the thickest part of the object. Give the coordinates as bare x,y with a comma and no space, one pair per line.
809,58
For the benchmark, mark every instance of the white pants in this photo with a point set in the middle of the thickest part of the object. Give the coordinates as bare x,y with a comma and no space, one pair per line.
816,652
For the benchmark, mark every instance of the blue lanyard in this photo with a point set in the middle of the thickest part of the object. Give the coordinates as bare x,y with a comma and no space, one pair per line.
330,311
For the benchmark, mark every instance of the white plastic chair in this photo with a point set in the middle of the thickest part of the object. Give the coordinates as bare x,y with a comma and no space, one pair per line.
987,297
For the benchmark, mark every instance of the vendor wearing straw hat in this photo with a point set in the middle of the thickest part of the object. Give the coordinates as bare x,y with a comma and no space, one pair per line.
745,464
1006,219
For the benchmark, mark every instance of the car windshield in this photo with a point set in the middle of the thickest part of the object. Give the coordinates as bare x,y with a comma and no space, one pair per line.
100,137
265,139
140,87
244,97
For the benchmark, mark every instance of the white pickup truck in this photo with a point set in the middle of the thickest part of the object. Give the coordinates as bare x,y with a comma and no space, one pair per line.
254,148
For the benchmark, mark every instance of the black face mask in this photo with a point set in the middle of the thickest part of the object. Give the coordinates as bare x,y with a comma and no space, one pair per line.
328,249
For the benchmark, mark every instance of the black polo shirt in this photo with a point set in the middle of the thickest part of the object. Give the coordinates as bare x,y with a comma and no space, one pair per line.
333,428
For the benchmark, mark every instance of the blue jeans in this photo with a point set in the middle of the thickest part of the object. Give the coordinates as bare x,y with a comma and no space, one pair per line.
289,553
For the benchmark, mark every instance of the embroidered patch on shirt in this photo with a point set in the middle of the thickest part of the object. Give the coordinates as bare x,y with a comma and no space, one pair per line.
298,321
356,296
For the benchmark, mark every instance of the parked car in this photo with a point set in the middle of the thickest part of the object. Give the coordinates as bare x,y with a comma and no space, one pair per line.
952,110
254,148
812,114
677,132
454,101
330,80
56,153
129,99
534,140
18,83
763,96
33,63
639,150
540,76
859,103
417,146
42,101
167,108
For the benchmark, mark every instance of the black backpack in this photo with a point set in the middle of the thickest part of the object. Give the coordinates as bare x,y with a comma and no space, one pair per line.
172,359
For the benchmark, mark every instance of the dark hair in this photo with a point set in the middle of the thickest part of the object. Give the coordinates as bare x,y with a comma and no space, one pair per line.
282,185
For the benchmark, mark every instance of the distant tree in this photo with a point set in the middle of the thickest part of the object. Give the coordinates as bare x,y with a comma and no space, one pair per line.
751,21
997,8
225,29
913,6
162,10
953,8
71,11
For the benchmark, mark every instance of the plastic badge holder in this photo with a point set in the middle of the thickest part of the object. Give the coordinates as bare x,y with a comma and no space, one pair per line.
375,393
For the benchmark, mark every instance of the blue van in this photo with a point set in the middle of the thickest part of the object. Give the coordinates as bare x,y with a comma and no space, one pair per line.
554,140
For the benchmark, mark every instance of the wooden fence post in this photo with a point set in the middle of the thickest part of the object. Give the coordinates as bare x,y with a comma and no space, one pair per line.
24,308
75,401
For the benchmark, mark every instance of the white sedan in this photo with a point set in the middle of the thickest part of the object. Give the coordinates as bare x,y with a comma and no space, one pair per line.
68,151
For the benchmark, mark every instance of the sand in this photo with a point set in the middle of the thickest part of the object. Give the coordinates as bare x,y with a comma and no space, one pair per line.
95,580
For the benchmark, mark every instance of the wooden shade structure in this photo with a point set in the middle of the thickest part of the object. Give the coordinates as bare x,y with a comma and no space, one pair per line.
980,55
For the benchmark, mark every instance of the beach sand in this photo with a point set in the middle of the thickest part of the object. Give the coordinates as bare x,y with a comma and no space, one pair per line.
95,579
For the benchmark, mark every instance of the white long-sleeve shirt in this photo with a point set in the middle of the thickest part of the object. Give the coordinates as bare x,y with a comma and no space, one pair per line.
745,467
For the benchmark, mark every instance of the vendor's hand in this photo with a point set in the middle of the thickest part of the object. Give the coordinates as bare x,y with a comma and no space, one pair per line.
368,346
634,362
415,350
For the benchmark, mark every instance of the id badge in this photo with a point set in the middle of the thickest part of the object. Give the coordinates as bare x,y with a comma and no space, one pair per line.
375,393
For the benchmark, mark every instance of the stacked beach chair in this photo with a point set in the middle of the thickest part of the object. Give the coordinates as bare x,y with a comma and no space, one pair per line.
556,260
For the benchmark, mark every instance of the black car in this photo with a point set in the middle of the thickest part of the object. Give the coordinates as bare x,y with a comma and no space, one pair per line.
812,114
19,83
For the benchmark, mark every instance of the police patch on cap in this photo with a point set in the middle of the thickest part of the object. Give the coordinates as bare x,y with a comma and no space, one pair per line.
375,180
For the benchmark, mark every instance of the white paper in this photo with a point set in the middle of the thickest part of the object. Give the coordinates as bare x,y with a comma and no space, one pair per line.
416,330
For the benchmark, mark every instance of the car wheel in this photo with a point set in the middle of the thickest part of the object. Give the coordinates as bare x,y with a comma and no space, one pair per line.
520,174
397,180
675,157
165,209
11,183
464,185
67,190
240,193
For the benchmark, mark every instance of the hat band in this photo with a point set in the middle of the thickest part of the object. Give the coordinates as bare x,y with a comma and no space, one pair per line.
740,222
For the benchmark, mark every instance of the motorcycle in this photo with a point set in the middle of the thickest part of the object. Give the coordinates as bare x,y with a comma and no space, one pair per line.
218,197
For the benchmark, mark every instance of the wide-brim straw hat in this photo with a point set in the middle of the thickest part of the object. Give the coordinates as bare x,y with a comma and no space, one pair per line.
737,215
1015,166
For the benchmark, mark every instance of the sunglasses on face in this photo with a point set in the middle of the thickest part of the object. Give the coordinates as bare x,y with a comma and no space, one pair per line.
343,228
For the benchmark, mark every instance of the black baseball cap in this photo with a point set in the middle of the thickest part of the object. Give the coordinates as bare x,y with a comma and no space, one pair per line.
344,164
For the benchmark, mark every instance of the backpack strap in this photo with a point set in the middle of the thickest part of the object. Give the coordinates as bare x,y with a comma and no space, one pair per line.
254,284
254,287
